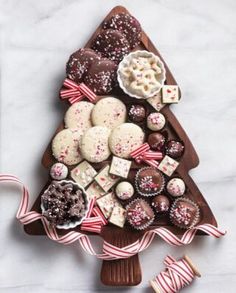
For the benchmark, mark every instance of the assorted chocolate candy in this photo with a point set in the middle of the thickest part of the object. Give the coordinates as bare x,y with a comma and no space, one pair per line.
119,148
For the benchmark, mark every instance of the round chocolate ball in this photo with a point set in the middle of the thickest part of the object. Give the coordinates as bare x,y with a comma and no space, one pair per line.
176,187
156,141
174,149
161,203
137,113
124,190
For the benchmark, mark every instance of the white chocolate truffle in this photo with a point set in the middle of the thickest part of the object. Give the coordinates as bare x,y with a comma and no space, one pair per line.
65,146
124,190
125,138
58,171
94,144
176,187
78,116
109,112
156,121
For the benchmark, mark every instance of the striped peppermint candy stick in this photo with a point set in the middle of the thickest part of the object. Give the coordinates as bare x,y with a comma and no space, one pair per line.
110,252
75,92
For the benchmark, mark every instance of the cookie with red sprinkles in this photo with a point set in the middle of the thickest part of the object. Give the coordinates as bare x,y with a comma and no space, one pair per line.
112,44
128,25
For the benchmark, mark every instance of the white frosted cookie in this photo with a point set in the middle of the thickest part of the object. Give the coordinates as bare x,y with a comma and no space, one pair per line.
78,116
94,144
125,138
109,112
65,146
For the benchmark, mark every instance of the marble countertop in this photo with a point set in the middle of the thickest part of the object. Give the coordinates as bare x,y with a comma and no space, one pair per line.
197,40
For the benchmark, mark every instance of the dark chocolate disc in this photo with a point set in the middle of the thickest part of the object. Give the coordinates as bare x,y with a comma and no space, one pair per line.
80,62
101,76
112,44
137,113
126,24
156,141
174,149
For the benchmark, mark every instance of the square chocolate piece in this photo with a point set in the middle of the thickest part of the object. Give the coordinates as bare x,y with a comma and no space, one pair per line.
83,174
106,180
94,190
107,203
118,216
120,167
168,165
156,102
170,94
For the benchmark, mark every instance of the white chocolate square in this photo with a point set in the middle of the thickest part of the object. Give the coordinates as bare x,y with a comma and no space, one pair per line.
170,94
156,102
94,190
83,174
120,167
118,216
106,204
106,180
168,165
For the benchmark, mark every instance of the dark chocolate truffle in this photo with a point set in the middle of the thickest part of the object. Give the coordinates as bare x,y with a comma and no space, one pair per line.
63,202
174,149
149,181
184,213
101,77
112,44
126,24
80,62
137,113
139,214
156,141
161,203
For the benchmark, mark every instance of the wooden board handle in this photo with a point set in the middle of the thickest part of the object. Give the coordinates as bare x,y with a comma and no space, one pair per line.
122,272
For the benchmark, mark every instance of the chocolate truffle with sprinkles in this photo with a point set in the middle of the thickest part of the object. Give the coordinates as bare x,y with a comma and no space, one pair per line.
174,149
139,214
137,113
161,203
128,25
80,62
112,44
156,140
149,181
101,77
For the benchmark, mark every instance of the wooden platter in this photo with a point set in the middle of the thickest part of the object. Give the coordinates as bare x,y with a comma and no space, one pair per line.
128,272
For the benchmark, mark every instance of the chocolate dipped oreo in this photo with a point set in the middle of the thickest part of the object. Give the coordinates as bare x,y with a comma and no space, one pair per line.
128,25
112,44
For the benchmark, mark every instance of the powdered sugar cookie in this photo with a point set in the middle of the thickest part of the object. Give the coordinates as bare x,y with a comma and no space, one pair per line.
125,138
78,116
94,144
65,146
109,112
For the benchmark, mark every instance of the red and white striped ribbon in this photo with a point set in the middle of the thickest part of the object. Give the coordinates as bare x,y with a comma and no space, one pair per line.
176,276
110,252
76,92
144,154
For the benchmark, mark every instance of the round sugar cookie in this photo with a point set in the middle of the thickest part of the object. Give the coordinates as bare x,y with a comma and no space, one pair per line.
125,138
78,116
65,146
94,144
109,112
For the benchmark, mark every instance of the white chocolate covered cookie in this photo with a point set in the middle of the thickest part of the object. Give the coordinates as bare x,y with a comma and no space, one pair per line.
109,112
94,144
125,138
65,146
78,116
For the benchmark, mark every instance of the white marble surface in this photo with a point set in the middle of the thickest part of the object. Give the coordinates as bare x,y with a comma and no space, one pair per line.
197,39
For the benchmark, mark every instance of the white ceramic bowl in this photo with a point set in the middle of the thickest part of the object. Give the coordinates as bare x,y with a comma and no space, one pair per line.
76,223
126,60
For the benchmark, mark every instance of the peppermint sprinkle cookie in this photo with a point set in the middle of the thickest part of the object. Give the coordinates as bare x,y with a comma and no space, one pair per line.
65,146
125,138
94,144
109,112
78,116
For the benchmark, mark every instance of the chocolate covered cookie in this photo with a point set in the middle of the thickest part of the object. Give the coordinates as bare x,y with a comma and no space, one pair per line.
112,44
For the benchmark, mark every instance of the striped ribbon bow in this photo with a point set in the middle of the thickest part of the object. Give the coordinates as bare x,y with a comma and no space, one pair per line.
75,92
144,154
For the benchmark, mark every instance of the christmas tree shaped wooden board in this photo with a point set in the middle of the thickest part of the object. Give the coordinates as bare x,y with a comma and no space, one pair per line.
127,272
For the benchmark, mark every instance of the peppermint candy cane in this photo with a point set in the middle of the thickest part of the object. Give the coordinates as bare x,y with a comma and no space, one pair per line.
110,252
